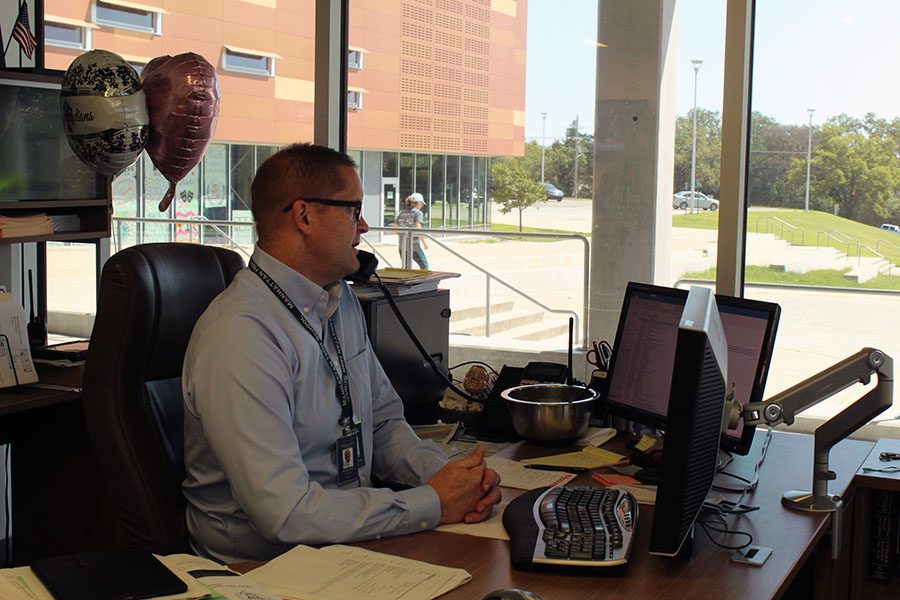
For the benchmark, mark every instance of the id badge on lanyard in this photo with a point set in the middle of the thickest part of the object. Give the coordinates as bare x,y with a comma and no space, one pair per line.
349,453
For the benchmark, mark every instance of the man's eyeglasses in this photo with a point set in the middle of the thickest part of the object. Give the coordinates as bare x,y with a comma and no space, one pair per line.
356,205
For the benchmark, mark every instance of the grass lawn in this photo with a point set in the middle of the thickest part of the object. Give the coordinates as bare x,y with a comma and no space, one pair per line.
808,228
820,278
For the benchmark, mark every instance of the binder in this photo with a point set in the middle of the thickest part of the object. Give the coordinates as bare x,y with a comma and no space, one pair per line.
121,574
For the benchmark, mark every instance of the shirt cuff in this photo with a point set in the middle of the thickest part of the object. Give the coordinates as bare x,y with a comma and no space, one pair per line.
424,507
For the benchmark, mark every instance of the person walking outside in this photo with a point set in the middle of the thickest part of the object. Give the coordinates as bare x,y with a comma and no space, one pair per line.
411,216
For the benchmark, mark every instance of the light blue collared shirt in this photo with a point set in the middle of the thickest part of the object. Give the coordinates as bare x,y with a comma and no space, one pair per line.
261,426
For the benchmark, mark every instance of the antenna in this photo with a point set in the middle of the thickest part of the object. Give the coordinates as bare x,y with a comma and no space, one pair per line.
37,327
569,364
31,295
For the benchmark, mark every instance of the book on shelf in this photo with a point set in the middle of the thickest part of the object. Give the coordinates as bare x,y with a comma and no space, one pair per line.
883,535
25,225
65,223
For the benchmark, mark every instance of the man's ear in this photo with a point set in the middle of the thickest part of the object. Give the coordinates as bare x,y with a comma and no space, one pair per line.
301,217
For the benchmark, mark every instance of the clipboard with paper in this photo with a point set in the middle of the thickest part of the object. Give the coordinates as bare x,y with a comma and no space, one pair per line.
588,458
16,366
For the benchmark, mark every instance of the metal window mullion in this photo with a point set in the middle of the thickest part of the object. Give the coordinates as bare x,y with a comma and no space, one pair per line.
736,107
330,110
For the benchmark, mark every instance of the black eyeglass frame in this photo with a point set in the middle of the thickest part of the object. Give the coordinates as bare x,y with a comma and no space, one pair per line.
356,205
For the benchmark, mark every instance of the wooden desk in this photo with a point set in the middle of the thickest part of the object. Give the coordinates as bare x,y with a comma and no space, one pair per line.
58,496
708,573
867,483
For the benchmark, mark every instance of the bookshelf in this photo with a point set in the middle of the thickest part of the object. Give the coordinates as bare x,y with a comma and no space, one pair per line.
870,485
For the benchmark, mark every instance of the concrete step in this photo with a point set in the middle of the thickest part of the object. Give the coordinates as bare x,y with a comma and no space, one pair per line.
508,320
473,312
542,330
868,268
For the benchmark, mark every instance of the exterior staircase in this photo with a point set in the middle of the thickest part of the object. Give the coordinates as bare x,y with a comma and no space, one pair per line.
510,322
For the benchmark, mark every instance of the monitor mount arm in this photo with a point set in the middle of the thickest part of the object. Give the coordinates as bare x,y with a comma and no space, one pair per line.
783,407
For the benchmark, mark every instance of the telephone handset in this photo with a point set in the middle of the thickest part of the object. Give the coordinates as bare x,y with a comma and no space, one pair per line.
368,262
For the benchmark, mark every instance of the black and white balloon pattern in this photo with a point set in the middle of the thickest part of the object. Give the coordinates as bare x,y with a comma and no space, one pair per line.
104,111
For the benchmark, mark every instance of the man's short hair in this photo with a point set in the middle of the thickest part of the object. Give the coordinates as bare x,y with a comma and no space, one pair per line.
293,172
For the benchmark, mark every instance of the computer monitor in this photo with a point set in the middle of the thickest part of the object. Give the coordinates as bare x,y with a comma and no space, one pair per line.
640,372
694,422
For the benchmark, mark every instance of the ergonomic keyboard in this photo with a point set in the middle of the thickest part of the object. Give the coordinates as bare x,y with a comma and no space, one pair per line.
582,528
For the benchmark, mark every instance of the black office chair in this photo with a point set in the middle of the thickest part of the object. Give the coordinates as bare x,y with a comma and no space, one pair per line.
150,298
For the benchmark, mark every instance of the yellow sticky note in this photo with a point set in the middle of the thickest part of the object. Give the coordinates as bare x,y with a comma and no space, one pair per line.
645,443
611,458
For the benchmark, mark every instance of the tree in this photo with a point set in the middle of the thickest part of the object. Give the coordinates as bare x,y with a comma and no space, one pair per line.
773,149
855,165
709,150
513,188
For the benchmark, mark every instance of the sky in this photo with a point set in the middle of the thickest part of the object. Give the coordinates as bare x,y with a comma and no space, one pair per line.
831,55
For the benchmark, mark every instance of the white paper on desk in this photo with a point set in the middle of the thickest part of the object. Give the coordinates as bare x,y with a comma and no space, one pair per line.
513,474
208,579
14,350
342,572
492,527
596,436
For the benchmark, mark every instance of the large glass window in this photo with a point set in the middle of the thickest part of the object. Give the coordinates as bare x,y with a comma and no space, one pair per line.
451,196
407,166
437,206
824,177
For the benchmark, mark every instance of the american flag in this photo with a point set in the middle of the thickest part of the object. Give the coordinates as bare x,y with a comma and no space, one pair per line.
22,31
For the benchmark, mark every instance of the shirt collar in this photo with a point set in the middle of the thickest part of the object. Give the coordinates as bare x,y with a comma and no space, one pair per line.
307,295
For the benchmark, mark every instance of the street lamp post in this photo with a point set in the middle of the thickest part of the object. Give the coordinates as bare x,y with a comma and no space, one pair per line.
543,131
696,62
808,157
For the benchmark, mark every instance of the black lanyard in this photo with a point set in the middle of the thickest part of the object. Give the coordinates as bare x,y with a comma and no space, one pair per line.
341,378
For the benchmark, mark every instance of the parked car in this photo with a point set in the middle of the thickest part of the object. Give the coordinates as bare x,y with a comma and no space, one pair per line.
553,192
683,201
890,227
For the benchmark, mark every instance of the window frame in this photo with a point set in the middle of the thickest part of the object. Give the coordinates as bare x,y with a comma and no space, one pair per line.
358,103
268,57
155,15
58,22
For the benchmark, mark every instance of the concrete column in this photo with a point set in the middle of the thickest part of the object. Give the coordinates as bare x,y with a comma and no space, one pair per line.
634,154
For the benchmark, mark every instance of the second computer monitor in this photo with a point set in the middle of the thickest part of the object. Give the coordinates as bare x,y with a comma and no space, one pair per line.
640,373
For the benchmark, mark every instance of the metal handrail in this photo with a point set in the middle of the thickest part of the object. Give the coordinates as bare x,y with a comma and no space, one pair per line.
189,221
828,234
583,322
794,229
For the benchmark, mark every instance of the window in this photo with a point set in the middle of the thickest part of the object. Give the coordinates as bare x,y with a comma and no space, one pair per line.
354,99
67,33
355,58
253,62
129,15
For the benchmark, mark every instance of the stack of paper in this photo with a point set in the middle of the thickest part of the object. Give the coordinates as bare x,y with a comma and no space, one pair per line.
588,458
25,225
341,572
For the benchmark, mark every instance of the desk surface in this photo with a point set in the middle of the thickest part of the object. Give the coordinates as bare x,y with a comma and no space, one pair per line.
792,535
25,398
877,479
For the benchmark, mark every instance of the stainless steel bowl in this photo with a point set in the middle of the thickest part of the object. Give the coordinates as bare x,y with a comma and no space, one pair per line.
550,412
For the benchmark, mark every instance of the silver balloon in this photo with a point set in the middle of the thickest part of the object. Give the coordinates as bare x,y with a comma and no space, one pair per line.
104,111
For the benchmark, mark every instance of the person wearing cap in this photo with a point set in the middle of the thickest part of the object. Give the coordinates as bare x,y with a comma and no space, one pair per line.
290,423
412,217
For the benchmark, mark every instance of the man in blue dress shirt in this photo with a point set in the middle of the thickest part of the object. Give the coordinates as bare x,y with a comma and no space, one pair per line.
288,413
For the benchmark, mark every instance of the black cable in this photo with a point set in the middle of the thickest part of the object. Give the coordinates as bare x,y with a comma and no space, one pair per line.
708,527
6,550
412,336
474,362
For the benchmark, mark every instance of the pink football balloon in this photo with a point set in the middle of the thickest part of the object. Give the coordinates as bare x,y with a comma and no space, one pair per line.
183,101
